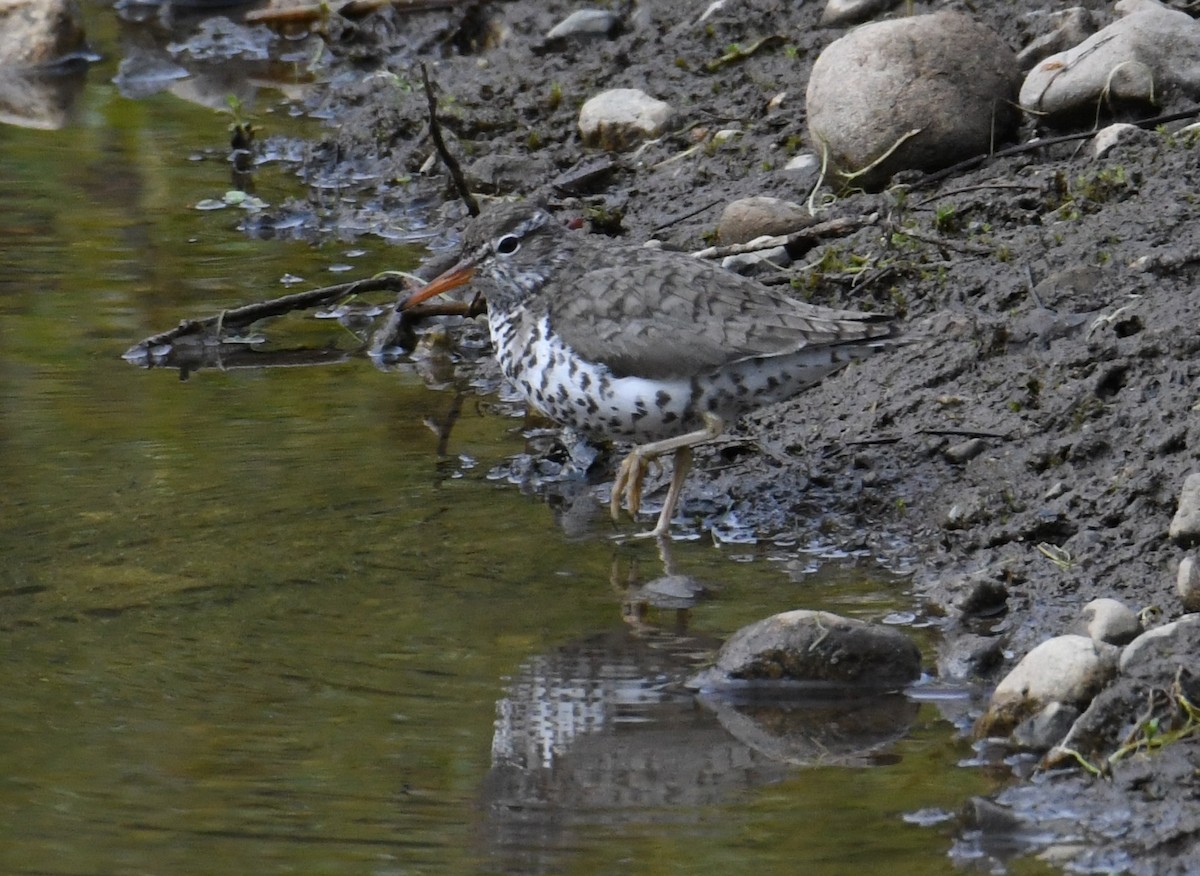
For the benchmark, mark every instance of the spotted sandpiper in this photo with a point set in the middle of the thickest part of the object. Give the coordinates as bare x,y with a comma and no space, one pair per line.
644,345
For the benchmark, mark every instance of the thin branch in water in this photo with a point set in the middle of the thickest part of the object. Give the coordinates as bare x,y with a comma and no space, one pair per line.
247,314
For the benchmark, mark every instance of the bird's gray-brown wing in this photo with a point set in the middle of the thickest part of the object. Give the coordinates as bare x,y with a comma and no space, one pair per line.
664,315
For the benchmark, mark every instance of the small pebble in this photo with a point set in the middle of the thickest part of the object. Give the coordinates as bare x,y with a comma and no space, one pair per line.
1120,134
1108,620
1185,526
1187,583
620,118
965,451
748,218
585,24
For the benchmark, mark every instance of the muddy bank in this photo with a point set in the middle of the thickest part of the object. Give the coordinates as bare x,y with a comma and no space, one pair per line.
1027,448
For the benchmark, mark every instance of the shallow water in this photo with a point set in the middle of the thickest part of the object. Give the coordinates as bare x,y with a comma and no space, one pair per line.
252,623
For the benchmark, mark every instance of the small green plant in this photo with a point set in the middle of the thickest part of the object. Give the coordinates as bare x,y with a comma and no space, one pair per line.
241,131
831,262
945,219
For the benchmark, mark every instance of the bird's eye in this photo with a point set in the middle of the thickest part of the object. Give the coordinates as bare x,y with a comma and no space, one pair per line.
508,244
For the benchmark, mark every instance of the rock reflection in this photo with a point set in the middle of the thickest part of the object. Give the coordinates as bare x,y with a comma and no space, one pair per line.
600,733
205,58
44,100
810,731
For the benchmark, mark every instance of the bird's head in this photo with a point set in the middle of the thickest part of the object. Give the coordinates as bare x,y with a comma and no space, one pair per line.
515,244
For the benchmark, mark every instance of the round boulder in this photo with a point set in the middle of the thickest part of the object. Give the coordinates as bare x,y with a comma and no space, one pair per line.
1066,669
918,93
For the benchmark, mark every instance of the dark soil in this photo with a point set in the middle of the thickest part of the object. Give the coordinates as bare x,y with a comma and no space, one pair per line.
1047,405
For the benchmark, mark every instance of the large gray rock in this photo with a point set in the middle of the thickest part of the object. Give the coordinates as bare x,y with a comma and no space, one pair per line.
944,75
1137,58
1176,642
817,648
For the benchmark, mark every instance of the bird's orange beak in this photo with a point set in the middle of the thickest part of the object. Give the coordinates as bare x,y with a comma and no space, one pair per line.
459,275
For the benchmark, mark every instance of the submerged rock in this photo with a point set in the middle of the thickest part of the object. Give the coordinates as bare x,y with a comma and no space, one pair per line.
817,648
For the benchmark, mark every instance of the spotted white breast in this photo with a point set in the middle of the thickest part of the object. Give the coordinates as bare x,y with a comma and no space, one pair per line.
583,394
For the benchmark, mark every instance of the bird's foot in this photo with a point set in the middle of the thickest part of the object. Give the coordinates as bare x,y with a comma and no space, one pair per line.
628,485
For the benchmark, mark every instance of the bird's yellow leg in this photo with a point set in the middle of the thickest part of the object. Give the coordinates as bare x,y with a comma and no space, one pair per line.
682,465
632,472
